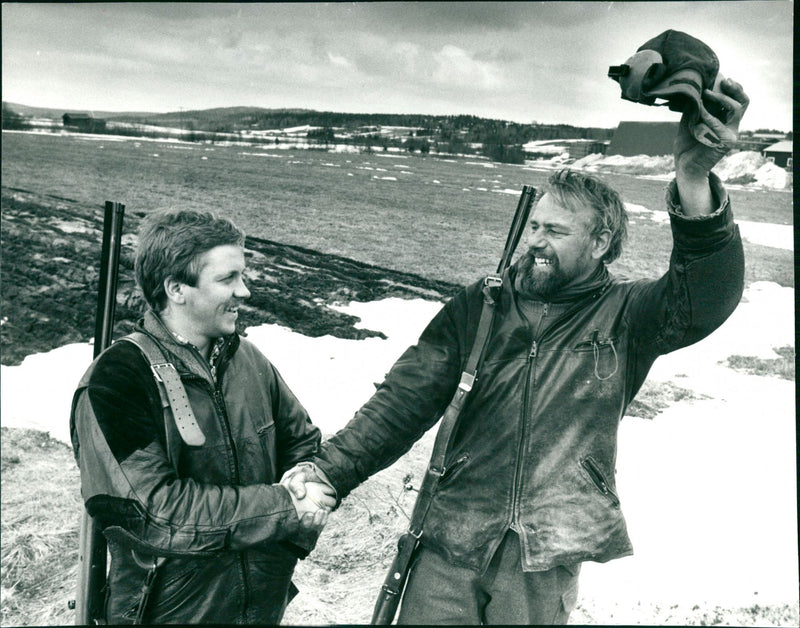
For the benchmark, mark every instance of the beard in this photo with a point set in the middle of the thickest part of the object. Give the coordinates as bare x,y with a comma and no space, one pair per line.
537,282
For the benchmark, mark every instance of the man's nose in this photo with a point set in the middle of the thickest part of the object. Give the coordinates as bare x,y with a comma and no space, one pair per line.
241,291
536,239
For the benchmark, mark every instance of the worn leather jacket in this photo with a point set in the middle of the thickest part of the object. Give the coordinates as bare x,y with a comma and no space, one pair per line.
230,533
535,446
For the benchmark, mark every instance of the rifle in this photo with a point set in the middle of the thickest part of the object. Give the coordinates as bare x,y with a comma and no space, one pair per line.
395,582
92,553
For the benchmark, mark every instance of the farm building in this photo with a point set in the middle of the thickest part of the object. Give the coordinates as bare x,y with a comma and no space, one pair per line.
83,122
780,153
643,138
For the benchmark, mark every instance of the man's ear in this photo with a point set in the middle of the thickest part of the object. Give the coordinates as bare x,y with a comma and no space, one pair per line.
174,290
601,243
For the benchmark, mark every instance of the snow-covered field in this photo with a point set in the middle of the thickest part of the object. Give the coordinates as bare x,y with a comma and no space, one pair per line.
708,487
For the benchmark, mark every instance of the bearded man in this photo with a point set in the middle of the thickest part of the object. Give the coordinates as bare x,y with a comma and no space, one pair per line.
528,490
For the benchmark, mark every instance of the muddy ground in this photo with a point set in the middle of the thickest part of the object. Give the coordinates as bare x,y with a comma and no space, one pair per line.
51,262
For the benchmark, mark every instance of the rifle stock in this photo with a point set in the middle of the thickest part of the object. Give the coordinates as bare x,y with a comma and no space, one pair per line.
92,553
395,582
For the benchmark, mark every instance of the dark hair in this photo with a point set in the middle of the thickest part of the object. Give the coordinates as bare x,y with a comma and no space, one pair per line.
170,245
576,190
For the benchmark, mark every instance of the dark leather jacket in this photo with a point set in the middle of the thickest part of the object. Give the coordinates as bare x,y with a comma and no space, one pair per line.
535,446
231,533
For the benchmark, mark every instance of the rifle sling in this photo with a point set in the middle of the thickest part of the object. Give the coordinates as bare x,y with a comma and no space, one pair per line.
171,389
444,436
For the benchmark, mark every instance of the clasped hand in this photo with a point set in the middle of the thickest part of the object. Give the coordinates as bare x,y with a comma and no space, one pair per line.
312,494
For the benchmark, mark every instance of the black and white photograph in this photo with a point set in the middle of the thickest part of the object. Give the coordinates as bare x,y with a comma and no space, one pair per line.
414,313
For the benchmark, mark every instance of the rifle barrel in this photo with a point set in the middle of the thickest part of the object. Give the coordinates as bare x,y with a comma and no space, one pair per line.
109,271
517,226
92,552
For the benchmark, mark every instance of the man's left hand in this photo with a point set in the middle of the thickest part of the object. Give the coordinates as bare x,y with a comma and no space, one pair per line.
694,159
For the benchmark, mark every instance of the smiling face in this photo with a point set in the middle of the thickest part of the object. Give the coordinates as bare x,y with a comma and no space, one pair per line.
562,250
209,309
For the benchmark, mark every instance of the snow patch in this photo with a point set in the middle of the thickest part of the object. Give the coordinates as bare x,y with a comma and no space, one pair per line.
751,167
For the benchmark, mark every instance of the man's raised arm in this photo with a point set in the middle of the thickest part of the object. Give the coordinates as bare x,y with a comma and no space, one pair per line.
694,160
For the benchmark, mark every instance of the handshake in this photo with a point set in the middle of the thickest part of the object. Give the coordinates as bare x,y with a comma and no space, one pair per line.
312,494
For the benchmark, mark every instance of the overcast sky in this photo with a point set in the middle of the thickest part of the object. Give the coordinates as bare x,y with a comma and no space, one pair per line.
522,61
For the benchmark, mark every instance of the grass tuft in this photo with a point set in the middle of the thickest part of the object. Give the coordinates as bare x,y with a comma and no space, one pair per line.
40,523
654,397
783,366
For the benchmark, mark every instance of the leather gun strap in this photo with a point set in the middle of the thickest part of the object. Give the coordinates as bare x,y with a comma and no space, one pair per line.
446,429
171,389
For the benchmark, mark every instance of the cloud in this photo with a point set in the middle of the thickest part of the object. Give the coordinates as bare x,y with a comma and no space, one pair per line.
445,17
455,67
171,11
509,60
407,65
231,39
500,55
339,60
408,56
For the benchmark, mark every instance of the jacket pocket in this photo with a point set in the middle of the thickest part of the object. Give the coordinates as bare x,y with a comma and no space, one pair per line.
197,590
453,469
606,360
592,469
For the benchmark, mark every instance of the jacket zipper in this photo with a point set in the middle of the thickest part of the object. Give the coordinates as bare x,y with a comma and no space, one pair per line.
222,412
246,586
599,480
532,355
523,435
219,406
219,403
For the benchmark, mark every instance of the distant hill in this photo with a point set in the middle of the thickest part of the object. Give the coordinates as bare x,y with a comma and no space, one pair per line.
500,140
48,112
460,128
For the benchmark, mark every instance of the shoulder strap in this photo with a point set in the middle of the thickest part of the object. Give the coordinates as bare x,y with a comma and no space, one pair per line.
444,436
170,387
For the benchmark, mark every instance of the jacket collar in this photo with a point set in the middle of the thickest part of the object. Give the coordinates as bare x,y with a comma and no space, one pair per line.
594,286
185,354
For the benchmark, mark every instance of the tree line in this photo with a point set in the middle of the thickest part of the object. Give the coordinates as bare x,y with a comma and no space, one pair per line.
496,139
458,134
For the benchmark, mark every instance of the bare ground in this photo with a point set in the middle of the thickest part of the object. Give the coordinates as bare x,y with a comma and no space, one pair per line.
51,262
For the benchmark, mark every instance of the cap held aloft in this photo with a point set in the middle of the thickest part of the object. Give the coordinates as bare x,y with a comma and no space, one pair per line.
674,69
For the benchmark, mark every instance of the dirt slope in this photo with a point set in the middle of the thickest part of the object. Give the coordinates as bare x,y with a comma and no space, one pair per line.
51,261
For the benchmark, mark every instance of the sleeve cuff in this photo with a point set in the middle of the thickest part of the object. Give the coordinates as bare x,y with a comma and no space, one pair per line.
718,191
321,474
